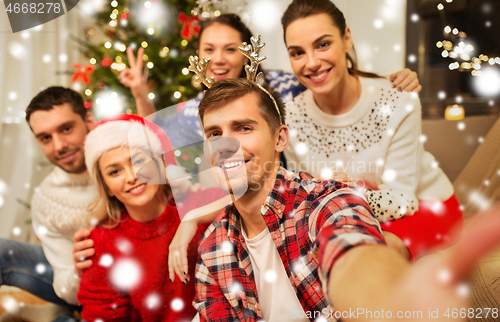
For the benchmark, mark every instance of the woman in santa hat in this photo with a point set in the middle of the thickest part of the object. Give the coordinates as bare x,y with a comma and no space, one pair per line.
128,281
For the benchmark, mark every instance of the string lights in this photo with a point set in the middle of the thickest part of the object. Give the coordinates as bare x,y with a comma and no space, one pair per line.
462,52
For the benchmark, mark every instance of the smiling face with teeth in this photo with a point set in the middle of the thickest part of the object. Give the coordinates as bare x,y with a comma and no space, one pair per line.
117,170
317,50
220,43
243,149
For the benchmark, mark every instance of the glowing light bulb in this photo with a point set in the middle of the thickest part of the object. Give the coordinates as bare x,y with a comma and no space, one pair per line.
454,112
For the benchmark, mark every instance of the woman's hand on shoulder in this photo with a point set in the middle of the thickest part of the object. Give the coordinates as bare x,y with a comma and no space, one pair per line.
406,80
82,250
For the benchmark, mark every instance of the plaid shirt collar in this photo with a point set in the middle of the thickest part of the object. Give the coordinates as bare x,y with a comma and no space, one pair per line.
272,210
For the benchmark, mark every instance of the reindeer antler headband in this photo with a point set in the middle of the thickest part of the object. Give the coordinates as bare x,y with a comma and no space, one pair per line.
252,53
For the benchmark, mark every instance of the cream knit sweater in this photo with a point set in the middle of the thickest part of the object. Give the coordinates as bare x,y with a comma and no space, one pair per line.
59,209
376,143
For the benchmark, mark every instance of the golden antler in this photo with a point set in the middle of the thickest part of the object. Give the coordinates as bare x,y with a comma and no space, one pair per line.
252,53
200,69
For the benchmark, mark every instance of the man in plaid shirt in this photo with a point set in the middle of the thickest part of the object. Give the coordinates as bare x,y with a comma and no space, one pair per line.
290,246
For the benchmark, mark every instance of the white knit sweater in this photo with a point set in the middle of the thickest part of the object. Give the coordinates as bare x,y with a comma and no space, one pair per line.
377,143
59,209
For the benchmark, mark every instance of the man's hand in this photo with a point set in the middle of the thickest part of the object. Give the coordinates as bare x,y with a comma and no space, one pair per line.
396,243
438,283
406,80
83,249
377,278
177,251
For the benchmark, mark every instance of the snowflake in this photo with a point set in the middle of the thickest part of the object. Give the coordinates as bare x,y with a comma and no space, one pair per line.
42,231
389,175
236,287
16,231
40,268
270,276
444,275
463,290
301,148
227,247
326,173
177,304
153,301
9,304
126,274
124,246
106,260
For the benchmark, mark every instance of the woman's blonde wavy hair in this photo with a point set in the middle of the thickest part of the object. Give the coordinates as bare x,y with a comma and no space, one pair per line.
107,210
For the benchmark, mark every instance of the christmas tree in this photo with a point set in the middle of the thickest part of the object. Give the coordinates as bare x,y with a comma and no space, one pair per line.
164,28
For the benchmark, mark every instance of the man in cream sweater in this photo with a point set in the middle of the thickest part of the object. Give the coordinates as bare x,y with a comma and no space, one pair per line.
60,122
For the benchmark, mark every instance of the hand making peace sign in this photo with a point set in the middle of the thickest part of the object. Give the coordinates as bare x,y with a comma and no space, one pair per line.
135,77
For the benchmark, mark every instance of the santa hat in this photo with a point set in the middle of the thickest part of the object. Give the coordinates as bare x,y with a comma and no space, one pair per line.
126,130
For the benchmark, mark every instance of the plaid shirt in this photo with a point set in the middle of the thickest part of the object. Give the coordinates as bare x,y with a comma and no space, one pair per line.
312,224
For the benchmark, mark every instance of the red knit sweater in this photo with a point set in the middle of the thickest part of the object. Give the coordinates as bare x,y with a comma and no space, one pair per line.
128,280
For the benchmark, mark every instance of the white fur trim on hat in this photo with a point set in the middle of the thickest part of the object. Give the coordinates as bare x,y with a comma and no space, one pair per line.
114,134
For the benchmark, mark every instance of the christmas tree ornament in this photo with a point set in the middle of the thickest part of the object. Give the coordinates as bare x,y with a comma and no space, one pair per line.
190,26
207,9
164,48
106,62
82,72
89,32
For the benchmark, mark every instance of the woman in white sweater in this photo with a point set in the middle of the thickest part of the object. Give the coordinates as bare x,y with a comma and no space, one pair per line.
356,122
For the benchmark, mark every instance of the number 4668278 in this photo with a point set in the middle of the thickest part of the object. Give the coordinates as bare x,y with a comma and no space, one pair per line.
33,7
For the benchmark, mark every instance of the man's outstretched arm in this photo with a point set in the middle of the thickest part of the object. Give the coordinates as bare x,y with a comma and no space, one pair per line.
376,278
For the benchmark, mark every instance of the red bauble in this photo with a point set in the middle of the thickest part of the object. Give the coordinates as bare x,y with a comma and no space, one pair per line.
185,157
87,104
106,62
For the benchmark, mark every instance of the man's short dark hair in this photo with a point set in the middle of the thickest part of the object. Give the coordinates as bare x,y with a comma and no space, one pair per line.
227,90
56,95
